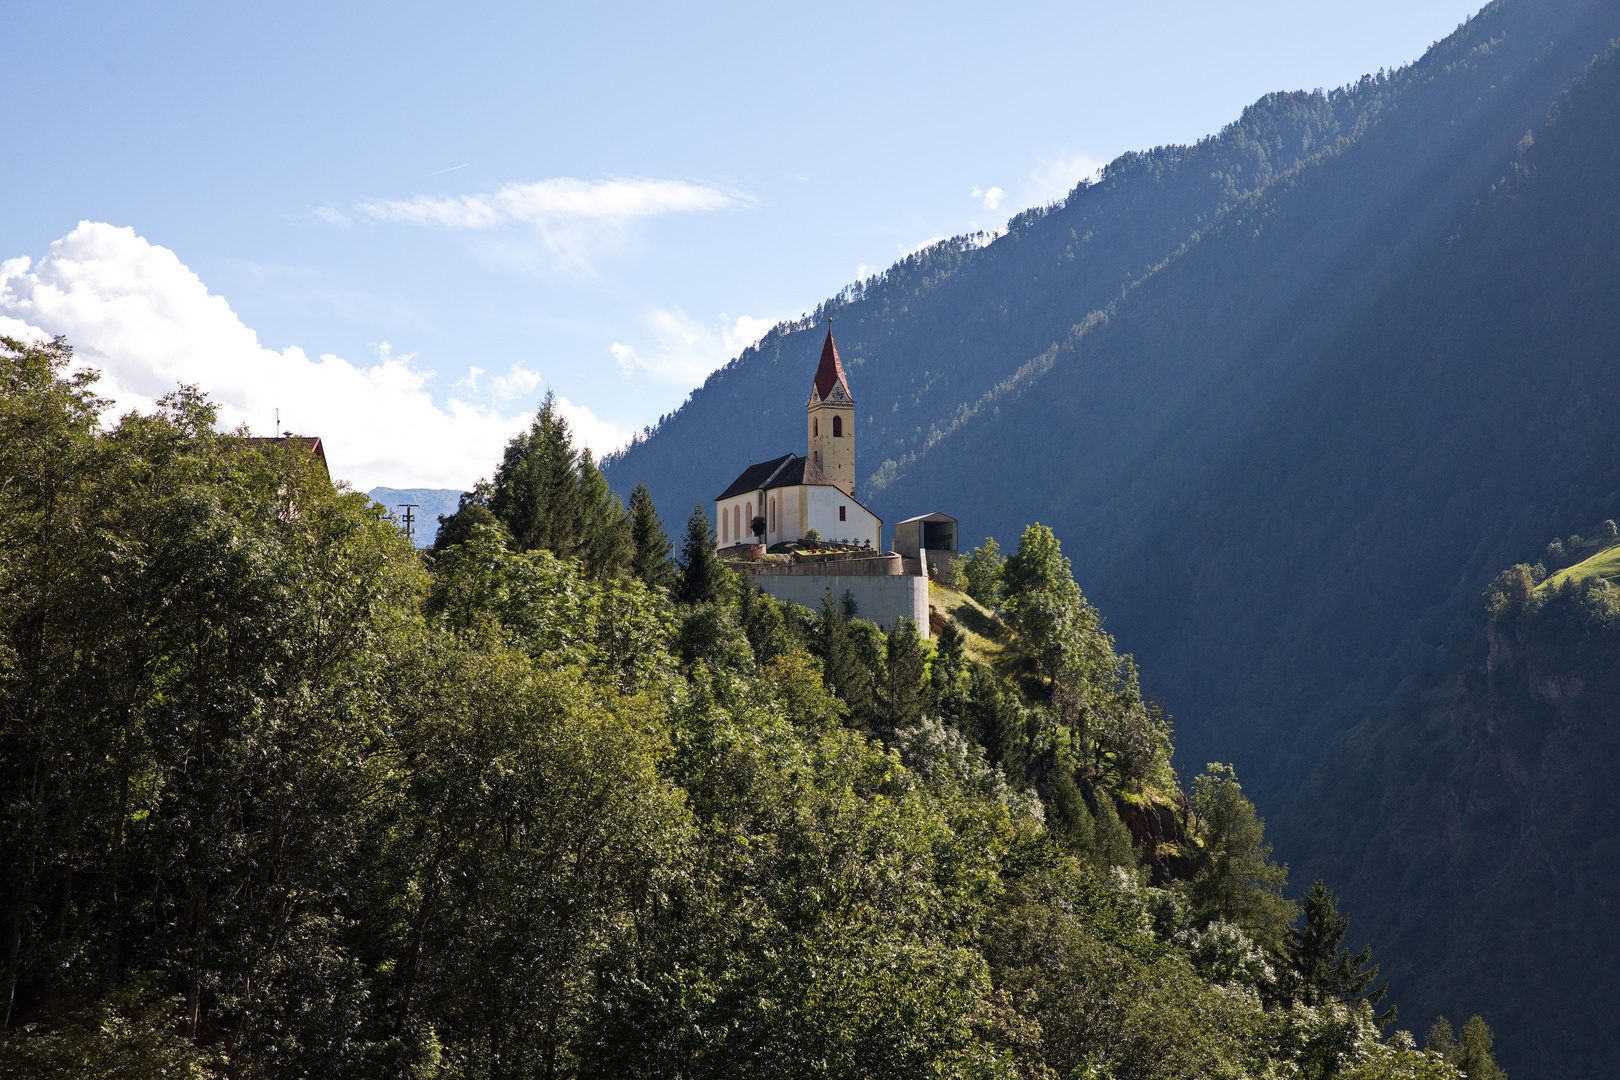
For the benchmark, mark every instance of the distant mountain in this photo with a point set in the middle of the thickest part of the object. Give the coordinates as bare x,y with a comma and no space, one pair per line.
431,503
1291,398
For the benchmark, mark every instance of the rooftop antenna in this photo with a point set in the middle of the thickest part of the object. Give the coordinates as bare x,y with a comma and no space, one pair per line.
408,519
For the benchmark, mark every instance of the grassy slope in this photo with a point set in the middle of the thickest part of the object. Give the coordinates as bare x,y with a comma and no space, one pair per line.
989,640
1605,564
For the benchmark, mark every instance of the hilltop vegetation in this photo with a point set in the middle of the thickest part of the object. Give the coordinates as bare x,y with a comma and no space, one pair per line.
285,797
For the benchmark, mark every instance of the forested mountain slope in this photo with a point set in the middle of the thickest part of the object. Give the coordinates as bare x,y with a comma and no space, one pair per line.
1313,415
927,341
1351,465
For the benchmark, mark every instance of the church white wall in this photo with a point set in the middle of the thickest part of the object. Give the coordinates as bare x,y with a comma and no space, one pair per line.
799,509
822,503
880,599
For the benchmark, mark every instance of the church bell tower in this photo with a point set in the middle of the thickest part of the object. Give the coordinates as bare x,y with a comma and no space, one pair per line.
831,420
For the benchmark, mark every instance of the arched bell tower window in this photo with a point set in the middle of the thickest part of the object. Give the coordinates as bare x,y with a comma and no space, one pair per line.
838,427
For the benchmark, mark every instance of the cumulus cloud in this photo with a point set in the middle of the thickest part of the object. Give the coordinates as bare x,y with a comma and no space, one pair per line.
992,198
682,351
132,310
1055,177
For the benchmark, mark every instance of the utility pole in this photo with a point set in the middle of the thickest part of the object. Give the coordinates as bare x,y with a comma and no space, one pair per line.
408,519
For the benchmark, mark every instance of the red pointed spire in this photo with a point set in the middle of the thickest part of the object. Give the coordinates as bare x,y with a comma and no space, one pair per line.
830,371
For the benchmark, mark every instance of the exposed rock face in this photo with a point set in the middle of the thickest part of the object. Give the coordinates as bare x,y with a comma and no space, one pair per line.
1159,832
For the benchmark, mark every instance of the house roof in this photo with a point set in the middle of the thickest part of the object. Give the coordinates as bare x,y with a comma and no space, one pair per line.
934,517
785,471
830,371
789,470
312,443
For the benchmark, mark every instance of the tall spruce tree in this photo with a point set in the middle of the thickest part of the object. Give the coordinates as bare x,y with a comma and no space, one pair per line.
843,670
700,569
605,545
1322,970
536,492
650,558
904,671
1472,1054
947,698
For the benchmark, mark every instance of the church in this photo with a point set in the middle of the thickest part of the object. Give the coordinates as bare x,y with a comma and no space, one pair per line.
795,495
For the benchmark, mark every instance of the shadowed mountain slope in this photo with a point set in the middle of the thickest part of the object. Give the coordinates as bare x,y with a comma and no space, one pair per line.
1291,398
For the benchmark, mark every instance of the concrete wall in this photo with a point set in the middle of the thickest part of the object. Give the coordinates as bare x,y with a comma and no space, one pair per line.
879,599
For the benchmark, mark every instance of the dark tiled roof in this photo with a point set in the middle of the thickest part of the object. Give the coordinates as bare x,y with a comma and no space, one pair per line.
830,371
785,471
312,443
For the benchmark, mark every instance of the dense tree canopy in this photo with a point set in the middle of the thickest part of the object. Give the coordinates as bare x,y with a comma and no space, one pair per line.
284,797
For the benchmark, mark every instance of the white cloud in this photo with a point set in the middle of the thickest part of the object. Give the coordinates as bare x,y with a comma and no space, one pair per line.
683,351
549,201
564,223
992,198
928,243
1054,178
133,310
518,382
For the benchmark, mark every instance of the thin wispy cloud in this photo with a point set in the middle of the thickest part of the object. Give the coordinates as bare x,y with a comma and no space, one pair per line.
549,201
1055,177
563,224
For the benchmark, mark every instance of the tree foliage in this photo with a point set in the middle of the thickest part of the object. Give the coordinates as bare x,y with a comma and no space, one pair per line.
284,797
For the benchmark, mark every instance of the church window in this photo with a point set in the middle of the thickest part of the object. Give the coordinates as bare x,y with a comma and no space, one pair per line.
838,427
736,523
815,428
748,516
725,527
773,515
840,513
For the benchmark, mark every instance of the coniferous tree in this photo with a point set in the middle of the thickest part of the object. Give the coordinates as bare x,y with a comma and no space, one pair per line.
536,491
650,560
947,698
1471,1054
700,569
606,545
1322,970
903,685
844,671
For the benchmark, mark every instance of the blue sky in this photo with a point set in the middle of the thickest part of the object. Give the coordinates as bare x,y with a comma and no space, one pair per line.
398,224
